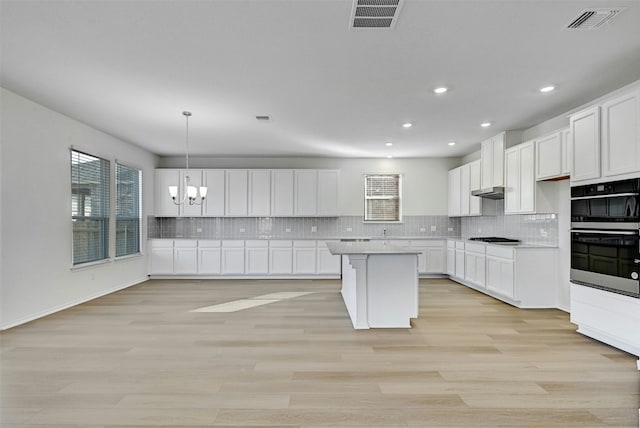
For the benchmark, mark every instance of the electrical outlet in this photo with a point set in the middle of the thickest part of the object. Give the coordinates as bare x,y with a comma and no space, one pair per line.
314,228
450,229
349,229
433,228
199,230
242,230
288,230
423,229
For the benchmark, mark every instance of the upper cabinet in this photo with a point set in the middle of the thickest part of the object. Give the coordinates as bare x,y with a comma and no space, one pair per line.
492,157
251,193
605,140
462,181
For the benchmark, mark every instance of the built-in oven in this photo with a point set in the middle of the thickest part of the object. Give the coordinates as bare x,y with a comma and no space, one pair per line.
605,236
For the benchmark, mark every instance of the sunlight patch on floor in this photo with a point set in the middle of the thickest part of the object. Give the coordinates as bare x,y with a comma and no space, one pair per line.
238,305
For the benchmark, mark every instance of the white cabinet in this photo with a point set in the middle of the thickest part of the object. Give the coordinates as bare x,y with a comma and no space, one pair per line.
185,256
236,193
523,195
451,258
492,157
585,144
280,257
465,189
474,263
552,156
566,152
459,256
233,257
475,202
259,193
500,271
621,135
282,193
431,259
454,192
256,257
213,205
328,189
306,192
164,206
304,257
327,264
161,257
209,256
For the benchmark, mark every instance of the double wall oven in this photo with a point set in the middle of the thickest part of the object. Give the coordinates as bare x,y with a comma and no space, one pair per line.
605,236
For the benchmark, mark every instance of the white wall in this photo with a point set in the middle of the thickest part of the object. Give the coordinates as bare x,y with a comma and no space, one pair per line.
424,185
35,178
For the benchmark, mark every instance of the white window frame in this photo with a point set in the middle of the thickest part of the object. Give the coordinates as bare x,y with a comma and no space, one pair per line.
399,198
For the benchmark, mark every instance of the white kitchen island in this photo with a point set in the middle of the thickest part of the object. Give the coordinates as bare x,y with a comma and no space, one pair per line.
379,283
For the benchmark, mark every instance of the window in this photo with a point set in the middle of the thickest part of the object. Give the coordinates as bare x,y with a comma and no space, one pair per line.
382,197
89,207
127,210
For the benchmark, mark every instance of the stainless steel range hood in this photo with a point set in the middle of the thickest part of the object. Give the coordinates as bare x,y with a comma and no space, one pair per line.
490,192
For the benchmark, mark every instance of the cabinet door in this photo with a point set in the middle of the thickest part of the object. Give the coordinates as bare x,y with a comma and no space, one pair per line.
195,179
236,195
527,178
498,147
306,191
422,258
304,257
435,260
257,260
475,203
585,144
549,156
512,182
214,202
621,135
460,263
465,192
328,187
470,273
500,276
454,193
209,260
451,261
282,193
566,152
164,206
161,258
486,159
281,260
259,193
327,262
233,260
185,260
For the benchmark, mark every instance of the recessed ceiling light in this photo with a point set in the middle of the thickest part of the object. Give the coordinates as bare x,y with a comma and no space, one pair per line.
451,143
547,88
407,125
441,90
485,124
389,143
389,156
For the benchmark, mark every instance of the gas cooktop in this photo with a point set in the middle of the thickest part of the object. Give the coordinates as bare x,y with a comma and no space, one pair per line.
495,240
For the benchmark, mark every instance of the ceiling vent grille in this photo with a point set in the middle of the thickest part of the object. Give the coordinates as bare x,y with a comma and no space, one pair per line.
263,118
375,13
591,19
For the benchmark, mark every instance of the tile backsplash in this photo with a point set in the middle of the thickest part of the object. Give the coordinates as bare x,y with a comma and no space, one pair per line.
300,227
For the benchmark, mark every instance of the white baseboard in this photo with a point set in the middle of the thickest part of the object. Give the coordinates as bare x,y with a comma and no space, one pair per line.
70,304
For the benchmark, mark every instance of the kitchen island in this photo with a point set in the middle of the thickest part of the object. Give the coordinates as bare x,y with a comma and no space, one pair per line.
379,283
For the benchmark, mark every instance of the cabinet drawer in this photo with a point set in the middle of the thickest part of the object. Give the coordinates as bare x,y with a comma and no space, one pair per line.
400,242
185,243
233,244
209,243
451,244
311,243
476,248
427,243
255,243
497,251
161,243
280,244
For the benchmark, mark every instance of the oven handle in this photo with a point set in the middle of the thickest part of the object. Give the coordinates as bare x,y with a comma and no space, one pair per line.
606,232
612,195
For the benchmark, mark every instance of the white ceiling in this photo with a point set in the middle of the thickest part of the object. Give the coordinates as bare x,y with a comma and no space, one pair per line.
130,68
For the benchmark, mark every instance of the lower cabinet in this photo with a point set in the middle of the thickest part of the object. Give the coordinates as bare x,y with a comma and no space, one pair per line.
500,272
256,257
161,257
304,257
327,263
209,254
281,257
474,263
460,260
431,259
451,258
233,257
185,256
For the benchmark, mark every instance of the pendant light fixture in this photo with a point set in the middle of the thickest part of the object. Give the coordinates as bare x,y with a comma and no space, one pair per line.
190,192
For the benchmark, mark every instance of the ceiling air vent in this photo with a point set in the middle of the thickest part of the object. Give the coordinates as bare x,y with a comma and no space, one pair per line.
591,19
375,13
263,118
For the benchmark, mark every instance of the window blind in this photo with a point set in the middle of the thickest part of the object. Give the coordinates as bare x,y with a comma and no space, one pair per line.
89,207
127,210
383,197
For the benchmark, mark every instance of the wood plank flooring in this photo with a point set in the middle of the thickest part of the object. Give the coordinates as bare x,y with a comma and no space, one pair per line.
139,357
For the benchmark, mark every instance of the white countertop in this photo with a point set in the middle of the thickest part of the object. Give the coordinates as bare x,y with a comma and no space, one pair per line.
372,247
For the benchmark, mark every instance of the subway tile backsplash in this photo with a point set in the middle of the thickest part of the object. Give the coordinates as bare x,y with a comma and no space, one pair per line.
300,227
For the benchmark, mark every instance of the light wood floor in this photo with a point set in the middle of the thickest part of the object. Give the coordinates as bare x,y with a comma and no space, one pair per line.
139,357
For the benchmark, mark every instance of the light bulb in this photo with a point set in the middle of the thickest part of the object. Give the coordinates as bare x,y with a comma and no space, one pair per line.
173,191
